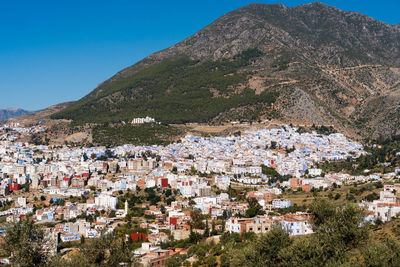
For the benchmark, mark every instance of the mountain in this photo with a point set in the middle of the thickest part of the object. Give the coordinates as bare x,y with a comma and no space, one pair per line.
12,113
310,64
40,115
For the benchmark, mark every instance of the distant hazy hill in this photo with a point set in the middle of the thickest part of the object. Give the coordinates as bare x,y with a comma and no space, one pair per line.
307,64
41,115
8,113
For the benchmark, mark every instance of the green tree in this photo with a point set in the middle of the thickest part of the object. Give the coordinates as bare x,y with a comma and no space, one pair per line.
24,242
173,262
197,219
206,230
385,253
211,261
254,208
273,145
345,224
263,252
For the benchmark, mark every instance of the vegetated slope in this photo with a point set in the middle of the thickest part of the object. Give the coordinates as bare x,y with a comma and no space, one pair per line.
148,133
12,113
174,91
306,64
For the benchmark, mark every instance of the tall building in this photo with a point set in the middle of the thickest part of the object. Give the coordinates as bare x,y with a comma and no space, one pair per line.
106,201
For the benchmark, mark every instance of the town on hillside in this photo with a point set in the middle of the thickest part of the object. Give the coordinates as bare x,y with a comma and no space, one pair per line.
163,199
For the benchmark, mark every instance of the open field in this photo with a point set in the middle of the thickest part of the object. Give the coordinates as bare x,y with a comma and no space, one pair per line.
339,195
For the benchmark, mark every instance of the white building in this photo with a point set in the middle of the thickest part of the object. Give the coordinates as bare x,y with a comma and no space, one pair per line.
21,202
281,203
143,120
296,226
386,207
106,201
315,172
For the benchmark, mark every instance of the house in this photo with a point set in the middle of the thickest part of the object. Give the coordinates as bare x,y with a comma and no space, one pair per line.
152,256
106,201
222,182
295,224
69,237
91,233
281,203
315,172
259,224
136,237
386,207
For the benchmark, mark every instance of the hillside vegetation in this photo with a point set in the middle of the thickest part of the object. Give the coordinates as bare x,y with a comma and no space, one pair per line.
144,134
173,91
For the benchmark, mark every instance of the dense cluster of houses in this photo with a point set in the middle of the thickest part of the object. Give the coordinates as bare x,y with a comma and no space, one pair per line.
69,172
195,167
285,150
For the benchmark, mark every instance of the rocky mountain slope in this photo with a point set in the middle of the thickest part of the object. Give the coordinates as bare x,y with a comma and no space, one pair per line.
307,64
12,113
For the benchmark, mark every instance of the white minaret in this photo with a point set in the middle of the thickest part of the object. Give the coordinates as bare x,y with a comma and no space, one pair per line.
126,207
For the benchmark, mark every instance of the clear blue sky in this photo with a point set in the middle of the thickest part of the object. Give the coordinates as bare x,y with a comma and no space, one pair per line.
59,50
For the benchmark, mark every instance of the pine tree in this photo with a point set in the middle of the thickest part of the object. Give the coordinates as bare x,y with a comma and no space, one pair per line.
206,230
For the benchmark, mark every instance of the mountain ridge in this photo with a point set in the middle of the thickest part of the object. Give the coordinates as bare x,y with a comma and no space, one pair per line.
321,65
9,112
34,117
